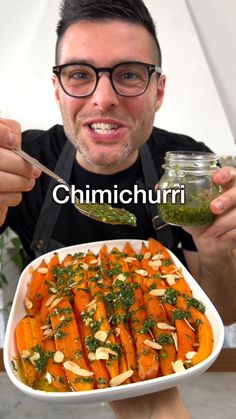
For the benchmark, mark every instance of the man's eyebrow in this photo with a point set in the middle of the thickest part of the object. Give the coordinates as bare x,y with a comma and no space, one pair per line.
77,60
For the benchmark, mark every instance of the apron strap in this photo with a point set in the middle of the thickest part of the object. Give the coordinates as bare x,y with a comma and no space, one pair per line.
50,209
150,179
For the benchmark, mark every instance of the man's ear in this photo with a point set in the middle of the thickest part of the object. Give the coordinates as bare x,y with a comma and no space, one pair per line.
56,89
160,91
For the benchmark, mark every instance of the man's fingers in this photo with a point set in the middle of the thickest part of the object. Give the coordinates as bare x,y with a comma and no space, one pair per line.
224,202
10,162
10,182
226,177
10,199
3,214
10,133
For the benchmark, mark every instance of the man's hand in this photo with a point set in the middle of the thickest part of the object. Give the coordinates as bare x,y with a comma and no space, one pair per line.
16,175
166,404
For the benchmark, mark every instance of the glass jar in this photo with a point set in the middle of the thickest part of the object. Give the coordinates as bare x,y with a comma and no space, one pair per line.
189,173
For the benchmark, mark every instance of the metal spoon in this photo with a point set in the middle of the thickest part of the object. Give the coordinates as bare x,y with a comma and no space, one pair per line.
100,212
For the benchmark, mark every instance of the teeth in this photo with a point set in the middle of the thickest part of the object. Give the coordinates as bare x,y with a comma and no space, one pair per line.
102,128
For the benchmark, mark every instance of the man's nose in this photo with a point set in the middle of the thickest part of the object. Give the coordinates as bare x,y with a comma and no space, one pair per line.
104,96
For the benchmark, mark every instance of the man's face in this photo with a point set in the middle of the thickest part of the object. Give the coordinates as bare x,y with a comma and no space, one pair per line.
129,119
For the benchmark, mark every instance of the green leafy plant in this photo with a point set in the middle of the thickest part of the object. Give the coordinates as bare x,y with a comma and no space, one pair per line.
15,245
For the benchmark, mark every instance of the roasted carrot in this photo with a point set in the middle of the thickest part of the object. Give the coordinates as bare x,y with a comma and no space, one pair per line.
100,314
204,335
29,341
54,366
186,338
146,356
155,246
33,298
118,260
157,315
86,325
67,339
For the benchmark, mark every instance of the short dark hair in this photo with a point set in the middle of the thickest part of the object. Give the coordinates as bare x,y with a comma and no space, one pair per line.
133,11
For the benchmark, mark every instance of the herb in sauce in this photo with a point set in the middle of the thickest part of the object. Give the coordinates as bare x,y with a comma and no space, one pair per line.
165,339
195,303
107,214
171,296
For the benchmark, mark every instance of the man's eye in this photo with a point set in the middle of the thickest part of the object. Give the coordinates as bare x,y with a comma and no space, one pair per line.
129,76
78,75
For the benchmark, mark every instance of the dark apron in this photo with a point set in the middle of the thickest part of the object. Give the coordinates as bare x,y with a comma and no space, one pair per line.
42,240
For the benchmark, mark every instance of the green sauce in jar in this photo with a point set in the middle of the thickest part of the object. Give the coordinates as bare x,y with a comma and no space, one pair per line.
193,171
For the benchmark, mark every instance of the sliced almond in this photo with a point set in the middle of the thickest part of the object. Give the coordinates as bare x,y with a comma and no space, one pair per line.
47,332
170,279
73,367
48,377
165,326
42,270
147,255
175,339
46,326
87,321
50,300
35,357
27,303
141,272
93,262
158,256
178,366
92,356
104,352
158,292
62,318
101,335
85,266
155,263
152,344
91,306
53,290
91,303
58,356
117,331
190,354
25,354
101,354
119,379
121,277
130,259
55,302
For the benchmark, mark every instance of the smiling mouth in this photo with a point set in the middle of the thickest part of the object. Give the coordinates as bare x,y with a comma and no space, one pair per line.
103,128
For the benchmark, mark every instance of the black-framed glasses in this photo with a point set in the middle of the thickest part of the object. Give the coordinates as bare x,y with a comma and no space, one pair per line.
130,78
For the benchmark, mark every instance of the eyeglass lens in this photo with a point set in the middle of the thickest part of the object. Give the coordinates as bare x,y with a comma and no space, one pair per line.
128,79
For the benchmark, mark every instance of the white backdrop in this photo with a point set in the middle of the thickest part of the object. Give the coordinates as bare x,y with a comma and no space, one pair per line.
197,102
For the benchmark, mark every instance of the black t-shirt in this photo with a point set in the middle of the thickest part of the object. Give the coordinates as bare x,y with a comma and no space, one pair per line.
71,226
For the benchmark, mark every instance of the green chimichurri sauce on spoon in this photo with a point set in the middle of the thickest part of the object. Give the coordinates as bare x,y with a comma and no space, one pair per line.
100,212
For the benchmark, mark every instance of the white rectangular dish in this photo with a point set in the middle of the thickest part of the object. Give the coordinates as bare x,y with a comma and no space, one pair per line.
122,391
